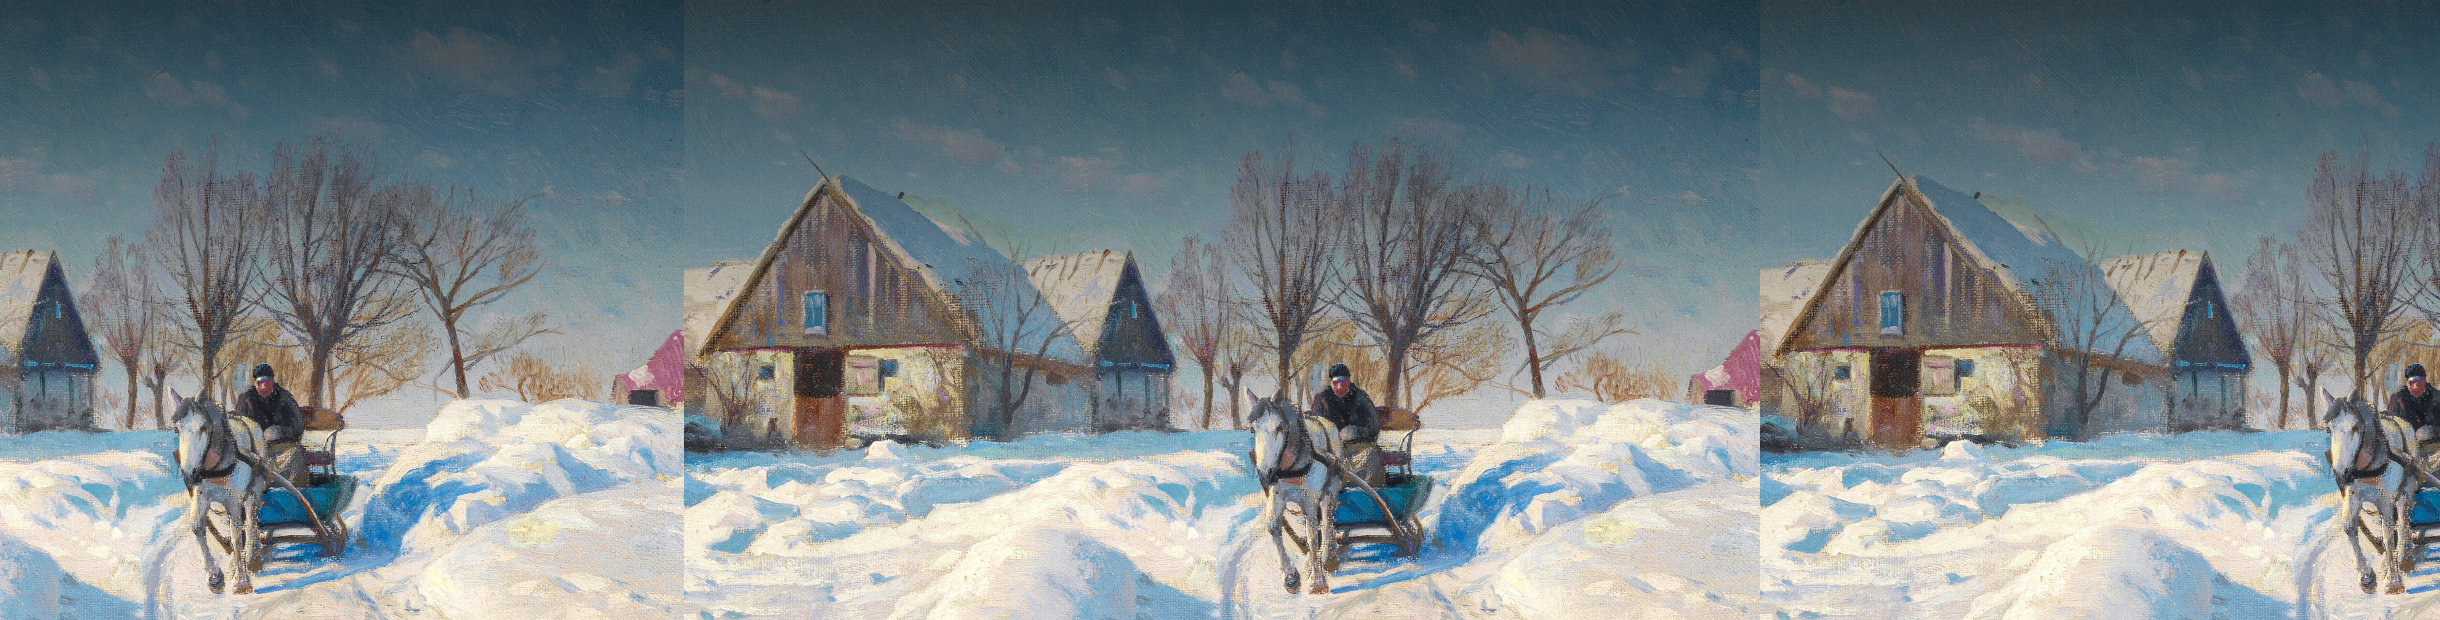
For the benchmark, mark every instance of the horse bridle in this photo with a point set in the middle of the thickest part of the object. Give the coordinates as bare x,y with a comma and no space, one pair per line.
1297,441
2369,439
222,442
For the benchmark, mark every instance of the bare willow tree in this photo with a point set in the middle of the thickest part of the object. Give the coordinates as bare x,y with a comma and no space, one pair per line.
2275,309
379,362
1194,304
1407,248
1612,380
1282,240
1016,327
204,237
1454,362
534,380
2361,236
160,359
1537,255
461,252
2090,333
122,306
333,246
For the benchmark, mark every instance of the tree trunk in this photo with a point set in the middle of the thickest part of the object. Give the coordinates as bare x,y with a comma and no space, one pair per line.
1207,396
1397,372
131,397
160,418
320,375
2283,397
1236,409
457,356
1533,355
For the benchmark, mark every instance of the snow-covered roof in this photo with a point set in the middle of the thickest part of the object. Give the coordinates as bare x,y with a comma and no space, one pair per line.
21,275
1080,287
709,292
948,259
2155,287
1784,291
2025,257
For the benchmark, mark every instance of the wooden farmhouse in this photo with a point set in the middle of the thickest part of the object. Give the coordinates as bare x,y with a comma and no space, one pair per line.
1736,381
1101,296
1942,319
2178,297
47,383
866,319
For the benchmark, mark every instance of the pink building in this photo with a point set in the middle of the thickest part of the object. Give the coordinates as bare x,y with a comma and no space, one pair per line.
1736,382
664,376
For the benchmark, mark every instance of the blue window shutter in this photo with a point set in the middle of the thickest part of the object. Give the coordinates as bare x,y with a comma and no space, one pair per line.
1893,306
817,314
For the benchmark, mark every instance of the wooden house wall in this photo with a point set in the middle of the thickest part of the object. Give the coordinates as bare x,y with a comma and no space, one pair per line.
874,300
1948,300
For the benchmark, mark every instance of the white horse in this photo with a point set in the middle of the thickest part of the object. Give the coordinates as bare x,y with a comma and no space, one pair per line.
1296,455
2374,480
218,456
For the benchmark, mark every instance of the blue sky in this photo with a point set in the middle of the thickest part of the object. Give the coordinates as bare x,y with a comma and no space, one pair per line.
576,105
2140,126
1076,126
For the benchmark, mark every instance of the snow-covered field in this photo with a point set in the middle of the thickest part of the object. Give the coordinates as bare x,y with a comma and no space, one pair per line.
496,510
2200,525
1572,510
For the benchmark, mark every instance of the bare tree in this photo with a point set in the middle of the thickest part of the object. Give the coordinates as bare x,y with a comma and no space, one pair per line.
2362,236
379,361
1016,327
122,305
461,252
1537,256
1454,362
1281,240
1612,380
535,381
2275,308
2091,332
161,359
205,236
333,250
1238,349
1195,306
1406,249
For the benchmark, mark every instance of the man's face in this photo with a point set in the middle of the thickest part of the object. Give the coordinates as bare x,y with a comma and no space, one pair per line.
1340,385
2416,386
263,386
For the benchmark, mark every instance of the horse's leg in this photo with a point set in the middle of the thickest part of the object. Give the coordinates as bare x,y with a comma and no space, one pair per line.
2354,513
1325,537
1275,511
199,508
2396,526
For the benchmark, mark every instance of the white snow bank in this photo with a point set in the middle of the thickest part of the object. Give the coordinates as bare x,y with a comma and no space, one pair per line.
1665,556
2201,524
29,582
488,460
605,554
1559,461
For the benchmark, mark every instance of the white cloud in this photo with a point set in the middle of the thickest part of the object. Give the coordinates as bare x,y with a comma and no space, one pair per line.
774,104
1508,158
1853,105
168,90
1805,89
965,145
615,79
476,62
1549,61
2043,145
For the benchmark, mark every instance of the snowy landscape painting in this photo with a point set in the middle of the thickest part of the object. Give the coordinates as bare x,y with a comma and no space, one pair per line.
990,306
2097,311
401,242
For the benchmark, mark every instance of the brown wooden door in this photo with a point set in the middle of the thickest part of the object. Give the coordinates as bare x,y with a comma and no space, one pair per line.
1897,408
821,408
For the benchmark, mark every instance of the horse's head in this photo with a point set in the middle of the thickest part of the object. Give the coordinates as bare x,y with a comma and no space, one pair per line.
1272,422
2356,443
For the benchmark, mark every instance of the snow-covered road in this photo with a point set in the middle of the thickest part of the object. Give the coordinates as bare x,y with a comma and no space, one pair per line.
2200,525
1573,510
495,505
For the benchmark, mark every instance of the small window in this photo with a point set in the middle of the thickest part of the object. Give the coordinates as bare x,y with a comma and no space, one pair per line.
1893,313
1839,373
817,314
889,368
1965,368
764,373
